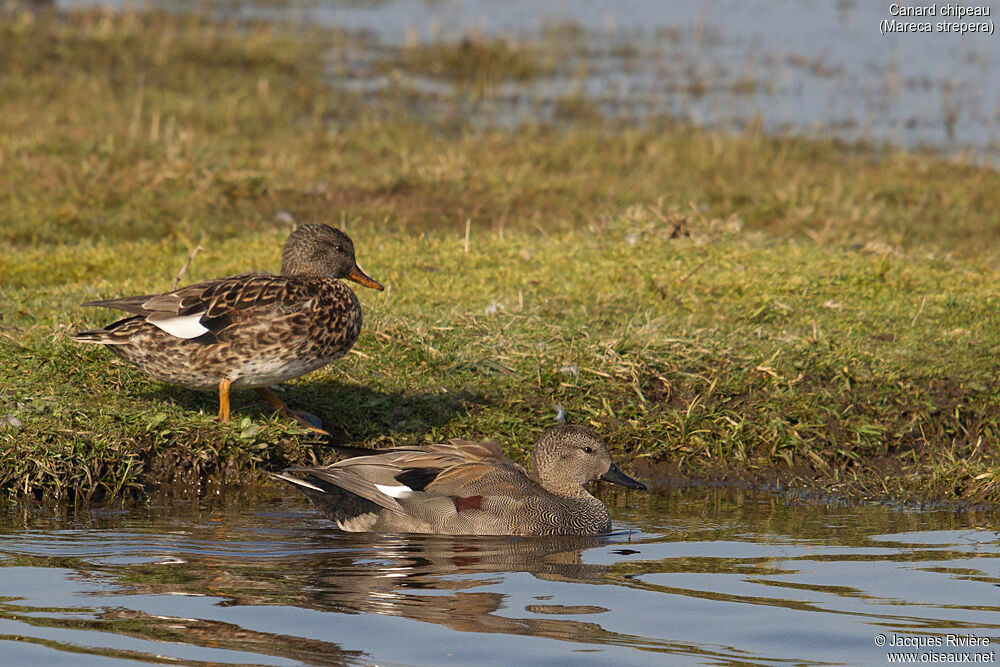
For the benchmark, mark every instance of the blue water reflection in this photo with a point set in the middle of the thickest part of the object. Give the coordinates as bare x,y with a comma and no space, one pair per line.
726,578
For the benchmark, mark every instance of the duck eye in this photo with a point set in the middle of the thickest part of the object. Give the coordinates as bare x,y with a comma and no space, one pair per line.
589,450
338,248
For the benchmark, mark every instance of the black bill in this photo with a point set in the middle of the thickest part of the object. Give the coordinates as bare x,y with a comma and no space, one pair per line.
616,476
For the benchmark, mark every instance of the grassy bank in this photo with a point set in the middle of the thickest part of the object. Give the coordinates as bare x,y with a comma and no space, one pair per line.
723,306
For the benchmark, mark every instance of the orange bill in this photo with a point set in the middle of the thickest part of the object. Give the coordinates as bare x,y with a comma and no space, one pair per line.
362,278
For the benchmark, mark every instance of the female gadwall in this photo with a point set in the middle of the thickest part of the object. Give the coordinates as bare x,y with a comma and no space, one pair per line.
247,331
467,488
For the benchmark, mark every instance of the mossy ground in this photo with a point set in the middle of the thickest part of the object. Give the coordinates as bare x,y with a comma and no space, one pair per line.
731,306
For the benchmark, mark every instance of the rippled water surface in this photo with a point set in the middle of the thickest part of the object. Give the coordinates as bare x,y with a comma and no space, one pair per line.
692,577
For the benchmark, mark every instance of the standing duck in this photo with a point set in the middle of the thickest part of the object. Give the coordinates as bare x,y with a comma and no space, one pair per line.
468,488
248,331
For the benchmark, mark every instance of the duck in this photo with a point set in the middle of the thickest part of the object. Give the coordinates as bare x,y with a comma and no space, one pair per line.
468,488
249,331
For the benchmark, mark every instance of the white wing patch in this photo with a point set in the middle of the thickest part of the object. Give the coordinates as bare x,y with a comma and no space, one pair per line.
188,326
394,491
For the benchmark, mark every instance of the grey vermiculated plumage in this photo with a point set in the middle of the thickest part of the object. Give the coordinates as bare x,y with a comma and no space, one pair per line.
259,329
467,488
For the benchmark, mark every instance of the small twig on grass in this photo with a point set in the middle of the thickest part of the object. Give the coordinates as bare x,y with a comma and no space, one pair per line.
690,273
18,343
468,228
920,310
184,268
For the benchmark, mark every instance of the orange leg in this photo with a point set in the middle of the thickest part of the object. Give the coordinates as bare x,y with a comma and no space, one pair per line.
224,400
311,422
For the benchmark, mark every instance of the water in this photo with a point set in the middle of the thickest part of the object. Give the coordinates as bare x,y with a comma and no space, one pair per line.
812,67
690,577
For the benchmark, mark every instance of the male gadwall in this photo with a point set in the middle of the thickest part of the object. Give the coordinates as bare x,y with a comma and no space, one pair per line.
248,331
467,488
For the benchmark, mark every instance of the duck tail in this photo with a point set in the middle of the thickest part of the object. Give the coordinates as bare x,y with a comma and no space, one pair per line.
295,481
116,333
336,502
98,337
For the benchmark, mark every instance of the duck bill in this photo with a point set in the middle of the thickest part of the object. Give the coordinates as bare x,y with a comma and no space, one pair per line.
362,278
616,476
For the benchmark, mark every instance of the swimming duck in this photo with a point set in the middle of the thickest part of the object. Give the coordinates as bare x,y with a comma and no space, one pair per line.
248,331
468,488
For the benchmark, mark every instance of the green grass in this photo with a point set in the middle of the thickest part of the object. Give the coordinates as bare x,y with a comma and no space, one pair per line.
723,306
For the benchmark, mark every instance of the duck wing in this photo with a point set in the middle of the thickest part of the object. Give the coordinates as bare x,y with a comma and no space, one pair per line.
446,468
471,482
208,307
398,477
380,478
474,451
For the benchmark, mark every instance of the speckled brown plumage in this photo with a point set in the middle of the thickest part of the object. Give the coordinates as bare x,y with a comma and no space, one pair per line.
254,330
466,488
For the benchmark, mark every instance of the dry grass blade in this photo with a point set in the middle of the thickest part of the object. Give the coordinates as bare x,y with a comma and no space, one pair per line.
187,265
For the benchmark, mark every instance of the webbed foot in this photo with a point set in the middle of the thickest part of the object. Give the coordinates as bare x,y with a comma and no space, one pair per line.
306,419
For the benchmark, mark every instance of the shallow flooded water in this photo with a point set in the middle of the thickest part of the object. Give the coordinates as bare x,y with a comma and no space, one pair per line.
690,577
786,66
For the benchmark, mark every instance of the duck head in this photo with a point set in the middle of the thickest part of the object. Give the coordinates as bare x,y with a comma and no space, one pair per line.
321,251
569,456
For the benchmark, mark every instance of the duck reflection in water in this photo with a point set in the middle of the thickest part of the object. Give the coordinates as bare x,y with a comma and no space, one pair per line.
426,578
433,579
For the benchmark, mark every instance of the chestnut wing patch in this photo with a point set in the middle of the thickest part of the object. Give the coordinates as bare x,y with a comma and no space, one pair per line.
468,503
